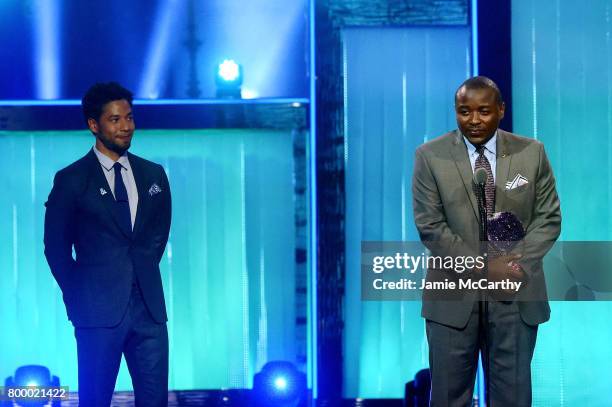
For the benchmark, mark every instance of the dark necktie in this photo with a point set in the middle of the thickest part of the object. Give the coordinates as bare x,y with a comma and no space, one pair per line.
482,162
122,204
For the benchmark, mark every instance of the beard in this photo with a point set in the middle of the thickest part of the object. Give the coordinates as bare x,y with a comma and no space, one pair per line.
113,146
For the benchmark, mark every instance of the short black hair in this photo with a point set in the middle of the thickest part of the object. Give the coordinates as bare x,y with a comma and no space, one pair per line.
99,95
481,82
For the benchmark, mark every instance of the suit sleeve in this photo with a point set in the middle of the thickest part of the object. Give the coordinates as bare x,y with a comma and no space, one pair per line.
59,230
429,214
164,220
545,228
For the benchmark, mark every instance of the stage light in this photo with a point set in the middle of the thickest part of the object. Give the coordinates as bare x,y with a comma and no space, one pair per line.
249,94
279,384
228,79
229,70
47,48
33,376
161,43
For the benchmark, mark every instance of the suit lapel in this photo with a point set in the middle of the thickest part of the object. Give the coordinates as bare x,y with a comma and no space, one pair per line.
141,186
502,170
462,161
106,194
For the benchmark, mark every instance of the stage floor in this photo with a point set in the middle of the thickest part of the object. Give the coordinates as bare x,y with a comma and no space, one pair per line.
227,398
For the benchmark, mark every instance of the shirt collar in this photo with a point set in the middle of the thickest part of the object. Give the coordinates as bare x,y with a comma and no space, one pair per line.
107,163
490,145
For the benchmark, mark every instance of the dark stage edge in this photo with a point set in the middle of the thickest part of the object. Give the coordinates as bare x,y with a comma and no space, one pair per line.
214,398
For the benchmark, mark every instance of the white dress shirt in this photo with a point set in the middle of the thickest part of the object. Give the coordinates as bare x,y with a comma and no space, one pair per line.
126,174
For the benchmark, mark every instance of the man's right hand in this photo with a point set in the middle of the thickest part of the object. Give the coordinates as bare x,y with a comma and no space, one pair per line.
502,268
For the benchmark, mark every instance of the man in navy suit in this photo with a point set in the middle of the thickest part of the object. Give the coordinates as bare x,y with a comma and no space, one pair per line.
113,208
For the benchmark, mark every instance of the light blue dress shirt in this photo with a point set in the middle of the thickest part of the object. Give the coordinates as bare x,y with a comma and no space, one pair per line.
490,152
126,174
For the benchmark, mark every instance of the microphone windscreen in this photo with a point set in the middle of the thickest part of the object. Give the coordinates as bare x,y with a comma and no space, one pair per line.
480,176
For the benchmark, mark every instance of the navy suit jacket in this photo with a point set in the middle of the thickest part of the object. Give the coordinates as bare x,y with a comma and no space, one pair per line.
80,213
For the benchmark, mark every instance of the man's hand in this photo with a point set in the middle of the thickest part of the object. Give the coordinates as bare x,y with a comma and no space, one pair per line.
504,268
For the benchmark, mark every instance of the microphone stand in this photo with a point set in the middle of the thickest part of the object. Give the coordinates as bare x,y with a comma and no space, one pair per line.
483,305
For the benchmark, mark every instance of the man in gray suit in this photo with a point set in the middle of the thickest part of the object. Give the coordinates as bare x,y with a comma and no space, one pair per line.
519,180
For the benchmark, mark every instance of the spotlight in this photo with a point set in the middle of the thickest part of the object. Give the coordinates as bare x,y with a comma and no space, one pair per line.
228,79
229,70
279,384
33,376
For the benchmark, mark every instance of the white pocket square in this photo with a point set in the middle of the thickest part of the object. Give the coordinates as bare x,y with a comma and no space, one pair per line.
518,181
154,189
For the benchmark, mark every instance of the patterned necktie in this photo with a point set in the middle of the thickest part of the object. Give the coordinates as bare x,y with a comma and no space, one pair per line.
482,162
122,204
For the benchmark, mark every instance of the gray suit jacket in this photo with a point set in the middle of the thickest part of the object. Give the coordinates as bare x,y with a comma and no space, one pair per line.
446,215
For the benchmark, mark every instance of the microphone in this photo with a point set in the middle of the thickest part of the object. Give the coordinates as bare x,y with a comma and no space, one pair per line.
480,176
480,179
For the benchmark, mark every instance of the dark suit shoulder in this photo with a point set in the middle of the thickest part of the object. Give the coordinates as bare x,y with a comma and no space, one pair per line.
72,179
76,171
76,167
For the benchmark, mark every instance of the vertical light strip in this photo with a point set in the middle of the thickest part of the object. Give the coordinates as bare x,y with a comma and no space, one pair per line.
245,275
404,137
480,379
404,106
159,49
15,249
262,342
314,261
32,169
480,374
424,345
46,48
345,103
609,83
468,61
559,130
534,88
474,37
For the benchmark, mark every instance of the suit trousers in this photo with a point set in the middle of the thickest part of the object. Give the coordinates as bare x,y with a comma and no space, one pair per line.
453,358
145,346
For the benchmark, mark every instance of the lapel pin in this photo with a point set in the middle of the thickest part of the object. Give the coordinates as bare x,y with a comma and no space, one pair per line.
103,191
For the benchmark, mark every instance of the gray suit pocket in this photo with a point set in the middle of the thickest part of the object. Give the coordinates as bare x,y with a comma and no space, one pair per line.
518,190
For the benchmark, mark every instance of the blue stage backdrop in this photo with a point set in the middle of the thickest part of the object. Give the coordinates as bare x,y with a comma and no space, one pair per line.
562,87
399,93
399,88
228,271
